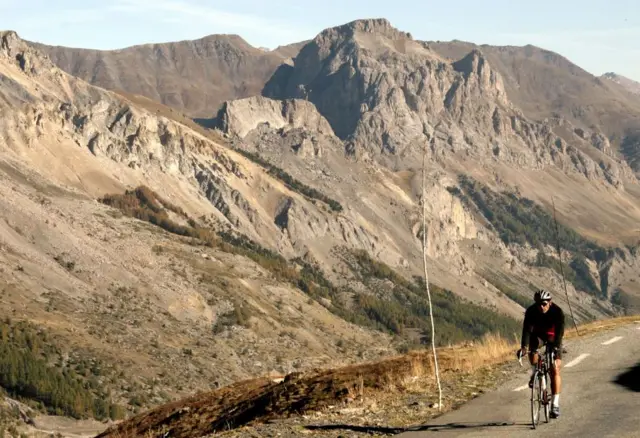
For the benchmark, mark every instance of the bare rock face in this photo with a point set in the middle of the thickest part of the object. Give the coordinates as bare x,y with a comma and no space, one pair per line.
544,84
388,96
479,80
238,117
12,47
599,141
352,72
62,108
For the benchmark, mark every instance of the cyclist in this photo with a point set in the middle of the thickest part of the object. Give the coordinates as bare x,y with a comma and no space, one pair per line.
544,321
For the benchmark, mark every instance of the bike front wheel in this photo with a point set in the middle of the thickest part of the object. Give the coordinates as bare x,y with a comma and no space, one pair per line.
536,399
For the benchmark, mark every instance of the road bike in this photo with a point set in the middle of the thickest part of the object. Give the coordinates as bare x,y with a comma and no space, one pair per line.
541,388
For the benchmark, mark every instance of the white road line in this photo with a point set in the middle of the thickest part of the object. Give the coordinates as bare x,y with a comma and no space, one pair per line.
521,387
612,340
577,360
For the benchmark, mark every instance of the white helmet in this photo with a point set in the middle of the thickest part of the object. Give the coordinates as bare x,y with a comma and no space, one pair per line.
542,295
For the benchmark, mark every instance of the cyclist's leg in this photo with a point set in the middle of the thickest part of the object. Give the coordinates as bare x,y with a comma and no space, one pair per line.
534,343
556,384
556,379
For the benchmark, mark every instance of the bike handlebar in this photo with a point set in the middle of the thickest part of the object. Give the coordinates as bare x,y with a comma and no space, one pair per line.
519,353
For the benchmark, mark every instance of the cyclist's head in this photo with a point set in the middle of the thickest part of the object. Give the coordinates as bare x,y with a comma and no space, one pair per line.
542,298
542,295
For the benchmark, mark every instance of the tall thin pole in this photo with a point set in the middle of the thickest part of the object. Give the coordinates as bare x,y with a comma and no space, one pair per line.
561,265
426,275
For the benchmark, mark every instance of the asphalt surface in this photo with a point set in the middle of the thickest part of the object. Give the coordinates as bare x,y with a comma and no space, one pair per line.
600,396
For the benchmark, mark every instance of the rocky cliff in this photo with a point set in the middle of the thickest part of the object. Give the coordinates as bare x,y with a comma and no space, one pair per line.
238,117
386,95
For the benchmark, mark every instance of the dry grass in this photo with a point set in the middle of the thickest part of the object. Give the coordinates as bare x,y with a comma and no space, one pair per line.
489,351
385,383
264,399
599,326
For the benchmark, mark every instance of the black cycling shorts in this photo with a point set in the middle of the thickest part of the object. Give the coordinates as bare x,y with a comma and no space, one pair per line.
535,342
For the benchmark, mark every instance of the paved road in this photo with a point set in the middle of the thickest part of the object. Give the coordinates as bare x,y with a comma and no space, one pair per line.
592,404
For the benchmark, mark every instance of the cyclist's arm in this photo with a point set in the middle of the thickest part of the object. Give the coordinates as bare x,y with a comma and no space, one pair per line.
526,330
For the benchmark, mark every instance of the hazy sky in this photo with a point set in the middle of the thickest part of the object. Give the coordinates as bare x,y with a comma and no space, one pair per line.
599,36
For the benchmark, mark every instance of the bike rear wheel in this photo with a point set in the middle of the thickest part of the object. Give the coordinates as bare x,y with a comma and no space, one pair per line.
536,399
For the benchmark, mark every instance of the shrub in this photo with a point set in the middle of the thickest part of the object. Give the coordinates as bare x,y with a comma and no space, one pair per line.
144,204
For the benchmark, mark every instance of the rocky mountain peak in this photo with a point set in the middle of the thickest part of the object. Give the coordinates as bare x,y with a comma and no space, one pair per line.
371,36
380,26
10,44
8,38
219,43
479,75
17,51
473,62
380,90
386,96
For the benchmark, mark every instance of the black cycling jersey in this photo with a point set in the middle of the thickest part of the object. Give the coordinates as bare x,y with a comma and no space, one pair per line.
546,326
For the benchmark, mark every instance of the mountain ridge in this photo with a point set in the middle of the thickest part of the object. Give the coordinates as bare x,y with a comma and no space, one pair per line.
539,99
189,75
231,37
551,69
